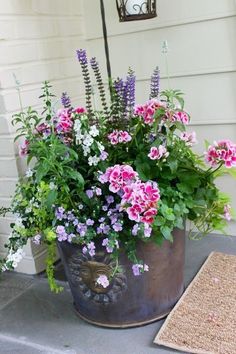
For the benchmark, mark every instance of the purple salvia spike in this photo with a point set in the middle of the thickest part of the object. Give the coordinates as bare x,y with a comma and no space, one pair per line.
65,100
130,92
155,83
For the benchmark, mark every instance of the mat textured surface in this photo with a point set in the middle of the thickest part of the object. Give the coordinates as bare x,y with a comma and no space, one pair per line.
204,319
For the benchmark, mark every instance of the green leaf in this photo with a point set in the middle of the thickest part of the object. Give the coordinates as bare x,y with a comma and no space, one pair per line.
41,171
173,164
76,176
166,232
52,195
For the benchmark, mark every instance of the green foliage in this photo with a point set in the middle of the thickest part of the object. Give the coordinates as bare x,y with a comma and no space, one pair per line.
51,257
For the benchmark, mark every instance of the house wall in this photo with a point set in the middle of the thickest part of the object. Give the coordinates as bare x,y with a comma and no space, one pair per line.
38,39
202,60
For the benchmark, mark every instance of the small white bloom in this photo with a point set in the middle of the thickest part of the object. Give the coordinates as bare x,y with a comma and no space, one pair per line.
18,222
86,150
15,257
52,186
28,210
29,173
79,138
94,131
80,206
93,160
77,125
88,140
100,146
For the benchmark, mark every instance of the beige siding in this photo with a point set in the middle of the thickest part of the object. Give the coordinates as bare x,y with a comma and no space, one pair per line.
202,60
38,39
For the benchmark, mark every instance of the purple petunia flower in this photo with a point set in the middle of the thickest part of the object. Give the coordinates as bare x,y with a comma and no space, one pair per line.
103,156
81,229
98,191
89,222
89,193
135,229
110,199
60,230
70,237
91,248
117,227
37,239
136,269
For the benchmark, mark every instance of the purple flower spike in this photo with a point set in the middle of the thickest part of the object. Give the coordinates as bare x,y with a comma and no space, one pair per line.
155,83
94,63
65,100
82,56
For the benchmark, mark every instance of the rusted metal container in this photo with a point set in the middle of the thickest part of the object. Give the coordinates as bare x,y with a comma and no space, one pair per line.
129,300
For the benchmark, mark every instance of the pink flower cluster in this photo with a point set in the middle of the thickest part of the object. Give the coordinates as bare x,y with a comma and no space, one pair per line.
157,153
147,111
24,148
223,151
180,116
64,122
118,177
80,110
119,136
227,212
189,138
139,199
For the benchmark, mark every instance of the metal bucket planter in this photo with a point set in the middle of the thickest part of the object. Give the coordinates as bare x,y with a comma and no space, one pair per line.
128,301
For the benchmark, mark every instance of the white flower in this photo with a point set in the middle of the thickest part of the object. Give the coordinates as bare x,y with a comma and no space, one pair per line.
86,150
52,186
77,125
88,140
94,131
100,146
28,210
93,160
15,257
80,206
79,138
29,173
18,222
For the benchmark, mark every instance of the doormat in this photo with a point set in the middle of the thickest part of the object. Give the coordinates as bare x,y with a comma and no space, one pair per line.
204,319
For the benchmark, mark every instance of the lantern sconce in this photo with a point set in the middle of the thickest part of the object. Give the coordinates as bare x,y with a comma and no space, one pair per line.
132,10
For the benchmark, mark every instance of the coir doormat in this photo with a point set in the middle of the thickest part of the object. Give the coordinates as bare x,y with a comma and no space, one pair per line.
204,319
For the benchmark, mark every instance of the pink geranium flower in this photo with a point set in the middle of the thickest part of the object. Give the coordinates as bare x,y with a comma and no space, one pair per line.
148,216
64,123
147,111
156,153
227,214
80,110
223,151
119,136
189,138
24,149
181,116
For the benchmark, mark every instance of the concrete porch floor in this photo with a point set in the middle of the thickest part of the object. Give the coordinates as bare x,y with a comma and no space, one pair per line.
33,320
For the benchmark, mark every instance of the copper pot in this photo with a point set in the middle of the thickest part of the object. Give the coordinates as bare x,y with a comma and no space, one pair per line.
129,300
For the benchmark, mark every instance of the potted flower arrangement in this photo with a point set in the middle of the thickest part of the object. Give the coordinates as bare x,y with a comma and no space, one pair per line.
112,188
